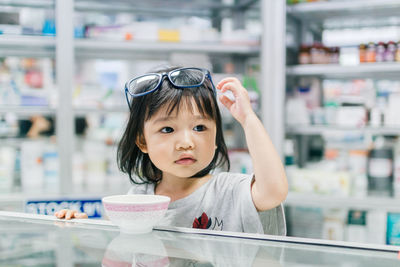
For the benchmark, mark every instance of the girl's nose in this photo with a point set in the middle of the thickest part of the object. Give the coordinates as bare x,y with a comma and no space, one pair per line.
185,141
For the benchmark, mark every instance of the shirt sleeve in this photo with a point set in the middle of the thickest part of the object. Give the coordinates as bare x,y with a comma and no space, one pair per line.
271,221
248,213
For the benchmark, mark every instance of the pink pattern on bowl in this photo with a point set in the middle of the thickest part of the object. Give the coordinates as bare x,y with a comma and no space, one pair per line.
149,207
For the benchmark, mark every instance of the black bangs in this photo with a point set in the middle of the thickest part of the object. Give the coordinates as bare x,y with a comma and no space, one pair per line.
174,98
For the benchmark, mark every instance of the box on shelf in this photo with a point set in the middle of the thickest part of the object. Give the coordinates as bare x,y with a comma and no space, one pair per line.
7,167
356,228
393,229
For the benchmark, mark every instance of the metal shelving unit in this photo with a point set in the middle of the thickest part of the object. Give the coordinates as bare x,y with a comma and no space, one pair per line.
362,203
320,11
47,42
384,68
27,110
100,46
33,46
321,129
83,111
28,3
314,17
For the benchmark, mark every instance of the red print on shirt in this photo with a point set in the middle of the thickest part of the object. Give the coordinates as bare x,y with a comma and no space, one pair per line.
203,222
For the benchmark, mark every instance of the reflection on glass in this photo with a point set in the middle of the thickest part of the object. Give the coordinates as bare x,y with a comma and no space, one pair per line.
166,249
135,250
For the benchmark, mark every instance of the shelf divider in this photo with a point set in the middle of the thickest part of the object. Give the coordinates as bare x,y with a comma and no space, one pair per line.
65,61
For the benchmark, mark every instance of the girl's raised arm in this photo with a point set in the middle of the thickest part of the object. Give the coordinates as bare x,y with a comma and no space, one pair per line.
270,186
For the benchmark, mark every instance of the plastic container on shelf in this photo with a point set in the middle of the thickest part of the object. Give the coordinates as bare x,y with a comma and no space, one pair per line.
95,159
78,172
397,55
380,169
50,168
393,229
371,52
356,228
309,90
304,55
390,52
396,171
357,165
376,226
362,49
334,224
32,171
334,55
380,52
7,166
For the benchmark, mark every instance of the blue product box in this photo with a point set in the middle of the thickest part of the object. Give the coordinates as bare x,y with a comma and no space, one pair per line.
393,229
92,207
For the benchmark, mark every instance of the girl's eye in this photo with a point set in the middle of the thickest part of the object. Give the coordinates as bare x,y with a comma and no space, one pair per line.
167,130
199,128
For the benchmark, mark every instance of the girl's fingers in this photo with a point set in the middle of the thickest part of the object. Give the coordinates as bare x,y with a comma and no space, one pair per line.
226,101
227,80
70,214
60,214
230,86
80,215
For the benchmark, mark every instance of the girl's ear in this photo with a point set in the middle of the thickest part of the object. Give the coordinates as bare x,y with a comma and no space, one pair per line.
141,143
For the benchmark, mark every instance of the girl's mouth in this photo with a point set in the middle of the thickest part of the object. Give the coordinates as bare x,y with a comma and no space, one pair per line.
185,161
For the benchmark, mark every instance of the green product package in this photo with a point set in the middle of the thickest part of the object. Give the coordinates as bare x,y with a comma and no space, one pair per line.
393,229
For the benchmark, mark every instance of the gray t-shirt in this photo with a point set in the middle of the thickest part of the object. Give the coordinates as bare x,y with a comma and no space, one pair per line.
223,203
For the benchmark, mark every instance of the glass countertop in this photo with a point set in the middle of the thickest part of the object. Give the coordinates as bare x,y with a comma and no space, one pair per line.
39,240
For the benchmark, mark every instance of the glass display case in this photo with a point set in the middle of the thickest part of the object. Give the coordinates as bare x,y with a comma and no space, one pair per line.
39,240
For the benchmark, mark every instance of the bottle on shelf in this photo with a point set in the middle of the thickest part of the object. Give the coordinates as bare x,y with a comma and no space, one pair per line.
390,52
397,55
371,52
304,55
334,55
380,168
380,52
396,172
362,53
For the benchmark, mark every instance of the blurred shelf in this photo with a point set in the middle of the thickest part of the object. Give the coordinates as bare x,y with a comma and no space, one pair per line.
333,69
26,45
321,129
344,9
323,201
28,3
27,111
164,8
12,198
84,111
99,46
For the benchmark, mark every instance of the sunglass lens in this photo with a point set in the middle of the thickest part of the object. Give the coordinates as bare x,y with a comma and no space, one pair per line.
143,84
187,77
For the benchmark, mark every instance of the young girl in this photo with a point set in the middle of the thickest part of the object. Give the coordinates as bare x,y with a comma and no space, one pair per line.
173,141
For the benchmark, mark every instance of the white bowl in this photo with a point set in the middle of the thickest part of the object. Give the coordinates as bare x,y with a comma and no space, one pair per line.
135,214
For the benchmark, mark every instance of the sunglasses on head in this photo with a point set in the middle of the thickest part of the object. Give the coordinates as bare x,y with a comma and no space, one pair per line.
179,78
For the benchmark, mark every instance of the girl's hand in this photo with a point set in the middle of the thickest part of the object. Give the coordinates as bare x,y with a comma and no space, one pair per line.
70,214
240,107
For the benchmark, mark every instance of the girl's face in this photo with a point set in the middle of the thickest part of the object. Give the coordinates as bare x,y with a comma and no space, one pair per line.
180,145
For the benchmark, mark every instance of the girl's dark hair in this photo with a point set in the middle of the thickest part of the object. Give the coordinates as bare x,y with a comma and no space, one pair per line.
133,161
